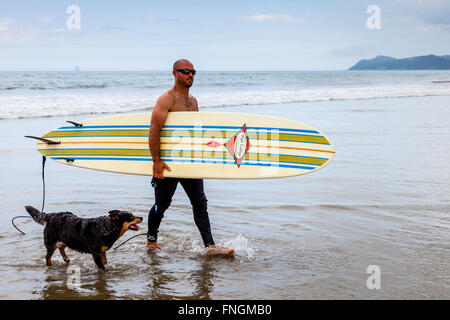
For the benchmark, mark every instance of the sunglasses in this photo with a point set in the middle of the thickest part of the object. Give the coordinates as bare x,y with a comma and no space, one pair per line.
186,71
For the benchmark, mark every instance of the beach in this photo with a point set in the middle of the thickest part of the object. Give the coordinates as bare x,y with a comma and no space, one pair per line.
382,201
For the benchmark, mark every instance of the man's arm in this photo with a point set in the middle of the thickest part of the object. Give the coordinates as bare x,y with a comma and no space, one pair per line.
196,104
159,116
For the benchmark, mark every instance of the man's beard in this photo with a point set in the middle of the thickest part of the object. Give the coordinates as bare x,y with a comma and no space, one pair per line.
185,83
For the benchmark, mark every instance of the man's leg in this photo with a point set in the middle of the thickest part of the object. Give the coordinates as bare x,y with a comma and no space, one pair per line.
195,191
164,190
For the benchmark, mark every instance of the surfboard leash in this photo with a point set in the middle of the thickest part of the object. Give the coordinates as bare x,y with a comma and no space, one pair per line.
44,159
141,234
12,221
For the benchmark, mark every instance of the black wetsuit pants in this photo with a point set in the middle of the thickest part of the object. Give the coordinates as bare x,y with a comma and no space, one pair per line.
164,190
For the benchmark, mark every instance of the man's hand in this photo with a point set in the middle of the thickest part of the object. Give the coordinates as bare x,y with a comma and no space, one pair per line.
158,169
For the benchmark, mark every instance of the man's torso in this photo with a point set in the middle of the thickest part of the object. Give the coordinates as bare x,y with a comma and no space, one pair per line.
182,103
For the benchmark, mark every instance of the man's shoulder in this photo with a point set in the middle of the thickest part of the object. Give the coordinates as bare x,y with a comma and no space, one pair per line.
167,98
169,94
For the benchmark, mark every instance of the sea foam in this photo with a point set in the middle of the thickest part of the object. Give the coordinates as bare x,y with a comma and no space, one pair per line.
31,105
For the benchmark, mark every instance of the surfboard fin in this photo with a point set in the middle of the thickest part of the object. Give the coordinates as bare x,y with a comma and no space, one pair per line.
76,124
67,159
47,141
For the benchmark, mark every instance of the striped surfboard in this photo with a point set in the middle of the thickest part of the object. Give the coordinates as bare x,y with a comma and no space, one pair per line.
213,145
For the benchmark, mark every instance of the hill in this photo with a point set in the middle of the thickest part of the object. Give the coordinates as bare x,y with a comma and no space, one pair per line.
429,62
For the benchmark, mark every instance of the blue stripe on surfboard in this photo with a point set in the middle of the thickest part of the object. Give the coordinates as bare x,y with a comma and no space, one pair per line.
207,127
183,137
191,161
56,131
97,127
127,136
248,128
177,150
137,155
106,157
142,158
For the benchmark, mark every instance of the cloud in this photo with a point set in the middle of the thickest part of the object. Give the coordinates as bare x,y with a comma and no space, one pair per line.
352,51
58,30
17,30
433,12
272,18
5,24
45,19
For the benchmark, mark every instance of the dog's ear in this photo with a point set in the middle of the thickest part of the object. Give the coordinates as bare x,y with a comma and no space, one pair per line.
105,225
114,214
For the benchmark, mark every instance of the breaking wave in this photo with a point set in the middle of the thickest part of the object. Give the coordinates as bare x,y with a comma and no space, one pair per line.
101,102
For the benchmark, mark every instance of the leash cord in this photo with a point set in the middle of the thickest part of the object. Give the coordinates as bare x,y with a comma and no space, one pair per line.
43,196
44,158
12,221
141,234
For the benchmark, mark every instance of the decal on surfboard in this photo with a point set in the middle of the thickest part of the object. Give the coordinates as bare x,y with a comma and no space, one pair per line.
238,145
213,144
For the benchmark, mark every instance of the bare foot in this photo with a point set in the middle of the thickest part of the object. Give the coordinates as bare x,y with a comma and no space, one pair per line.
214,250
152,245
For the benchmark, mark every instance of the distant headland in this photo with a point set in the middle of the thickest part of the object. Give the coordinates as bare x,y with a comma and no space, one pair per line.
429,62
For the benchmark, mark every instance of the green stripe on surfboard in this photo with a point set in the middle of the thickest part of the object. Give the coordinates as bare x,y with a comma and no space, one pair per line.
187,134
183,154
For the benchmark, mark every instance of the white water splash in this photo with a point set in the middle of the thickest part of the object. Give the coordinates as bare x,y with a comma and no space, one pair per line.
241,247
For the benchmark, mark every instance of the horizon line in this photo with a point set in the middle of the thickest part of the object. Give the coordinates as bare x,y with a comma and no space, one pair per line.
167,70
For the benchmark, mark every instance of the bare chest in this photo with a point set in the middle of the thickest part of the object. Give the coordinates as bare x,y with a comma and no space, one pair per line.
184,104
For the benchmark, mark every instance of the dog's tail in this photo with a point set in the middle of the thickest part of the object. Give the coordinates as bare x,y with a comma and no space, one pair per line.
38,216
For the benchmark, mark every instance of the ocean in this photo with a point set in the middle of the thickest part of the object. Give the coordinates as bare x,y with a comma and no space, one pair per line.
46,94
381,204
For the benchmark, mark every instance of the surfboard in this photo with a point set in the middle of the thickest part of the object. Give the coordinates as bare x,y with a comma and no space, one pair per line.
209,145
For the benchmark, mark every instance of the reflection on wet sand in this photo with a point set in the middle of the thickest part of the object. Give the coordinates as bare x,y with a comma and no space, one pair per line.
159,279
202,279
59,285
195,281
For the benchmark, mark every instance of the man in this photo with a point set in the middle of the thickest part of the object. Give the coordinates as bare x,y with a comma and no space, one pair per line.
177,99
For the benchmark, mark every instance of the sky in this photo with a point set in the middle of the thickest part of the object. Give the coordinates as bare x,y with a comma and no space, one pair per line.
217,35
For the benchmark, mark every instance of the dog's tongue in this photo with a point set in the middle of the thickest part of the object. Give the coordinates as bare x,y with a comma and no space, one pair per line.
134,227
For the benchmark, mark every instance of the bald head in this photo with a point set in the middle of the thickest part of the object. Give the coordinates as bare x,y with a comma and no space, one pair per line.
183,79
179,63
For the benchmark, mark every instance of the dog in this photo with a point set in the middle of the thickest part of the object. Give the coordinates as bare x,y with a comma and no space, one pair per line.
94,235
